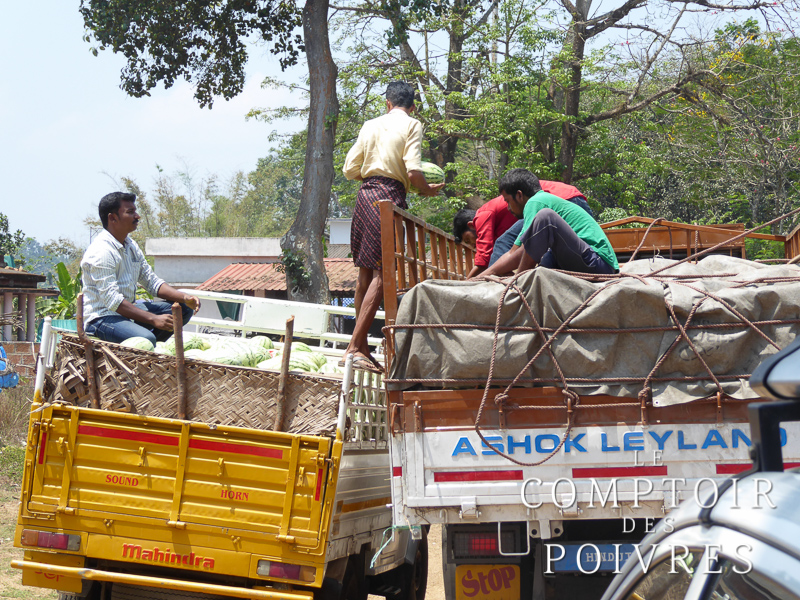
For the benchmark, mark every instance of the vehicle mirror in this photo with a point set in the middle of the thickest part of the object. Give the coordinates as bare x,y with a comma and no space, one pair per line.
778,377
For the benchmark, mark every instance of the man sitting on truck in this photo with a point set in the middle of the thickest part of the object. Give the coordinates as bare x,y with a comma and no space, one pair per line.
112,265
556,234
492,229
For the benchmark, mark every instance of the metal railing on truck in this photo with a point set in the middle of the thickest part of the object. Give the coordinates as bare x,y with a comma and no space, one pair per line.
267,315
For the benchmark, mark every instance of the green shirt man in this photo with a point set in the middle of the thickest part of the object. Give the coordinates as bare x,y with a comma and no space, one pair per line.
556,233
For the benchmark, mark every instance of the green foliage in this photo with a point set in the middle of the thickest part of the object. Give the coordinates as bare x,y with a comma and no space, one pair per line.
725,150
66,305
9,242
203,42
293,265
42,259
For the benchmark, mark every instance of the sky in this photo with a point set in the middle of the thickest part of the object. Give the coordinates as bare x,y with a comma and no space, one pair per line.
68,132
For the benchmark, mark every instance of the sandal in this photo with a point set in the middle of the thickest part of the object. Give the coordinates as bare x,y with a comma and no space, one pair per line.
365,364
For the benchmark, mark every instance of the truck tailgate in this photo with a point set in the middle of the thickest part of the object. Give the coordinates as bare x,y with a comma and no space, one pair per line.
610,464
128,476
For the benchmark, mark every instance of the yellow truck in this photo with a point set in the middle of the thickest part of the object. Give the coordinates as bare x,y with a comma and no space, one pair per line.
121,501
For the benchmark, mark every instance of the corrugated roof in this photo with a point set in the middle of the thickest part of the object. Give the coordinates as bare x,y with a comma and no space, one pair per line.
342,277
338,250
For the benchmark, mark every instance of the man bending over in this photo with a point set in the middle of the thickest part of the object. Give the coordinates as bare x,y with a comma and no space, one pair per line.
112,266
556,234
493,229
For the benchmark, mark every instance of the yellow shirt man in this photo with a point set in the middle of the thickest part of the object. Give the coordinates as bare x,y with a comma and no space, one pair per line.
389,146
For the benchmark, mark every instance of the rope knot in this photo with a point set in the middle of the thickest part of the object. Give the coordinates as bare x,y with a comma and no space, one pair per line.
500,398
645,395
571,398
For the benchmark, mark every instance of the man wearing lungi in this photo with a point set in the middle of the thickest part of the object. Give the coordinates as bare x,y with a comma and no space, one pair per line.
387,158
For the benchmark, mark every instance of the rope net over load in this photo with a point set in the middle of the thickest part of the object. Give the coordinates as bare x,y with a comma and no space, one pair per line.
687,333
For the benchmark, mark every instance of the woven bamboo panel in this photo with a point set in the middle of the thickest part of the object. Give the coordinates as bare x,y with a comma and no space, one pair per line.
145,383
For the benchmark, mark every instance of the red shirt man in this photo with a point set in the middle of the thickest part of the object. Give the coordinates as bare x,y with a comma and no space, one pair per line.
493,219
490,222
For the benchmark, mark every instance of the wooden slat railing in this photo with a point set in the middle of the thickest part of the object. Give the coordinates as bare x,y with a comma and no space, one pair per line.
413,251
792,243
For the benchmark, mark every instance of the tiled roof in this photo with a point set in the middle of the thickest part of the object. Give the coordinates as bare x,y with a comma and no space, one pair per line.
342,276
338,250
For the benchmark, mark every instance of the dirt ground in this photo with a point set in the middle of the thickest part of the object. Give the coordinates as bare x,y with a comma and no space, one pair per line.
435,581
11,579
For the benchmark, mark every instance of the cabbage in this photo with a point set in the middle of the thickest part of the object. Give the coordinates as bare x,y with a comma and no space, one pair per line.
138,342
261,340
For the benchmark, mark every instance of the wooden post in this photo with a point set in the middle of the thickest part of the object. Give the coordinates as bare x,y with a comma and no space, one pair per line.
8,309
280,409
177,329
31,321
388,261
22,309
88,348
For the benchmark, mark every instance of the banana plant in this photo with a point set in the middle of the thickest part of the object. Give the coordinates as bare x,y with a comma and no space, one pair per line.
66,305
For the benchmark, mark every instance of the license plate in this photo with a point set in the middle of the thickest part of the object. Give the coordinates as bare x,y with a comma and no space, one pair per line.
64,583
487,582
583,558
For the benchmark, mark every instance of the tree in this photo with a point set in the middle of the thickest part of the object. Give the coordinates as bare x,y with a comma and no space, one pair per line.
43,259
539,78
204,42
9,242
725,150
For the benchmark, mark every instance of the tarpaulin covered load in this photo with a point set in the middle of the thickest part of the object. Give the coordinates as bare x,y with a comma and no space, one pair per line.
621,341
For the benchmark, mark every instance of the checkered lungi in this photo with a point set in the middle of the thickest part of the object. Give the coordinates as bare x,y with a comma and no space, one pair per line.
365,231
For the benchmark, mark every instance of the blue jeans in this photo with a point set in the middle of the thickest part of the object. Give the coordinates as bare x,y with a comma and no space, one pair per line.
504,242
116,328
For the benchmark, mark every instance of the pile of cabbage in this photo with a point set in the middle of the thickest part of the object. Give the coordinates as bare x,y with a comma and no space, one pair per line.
257,351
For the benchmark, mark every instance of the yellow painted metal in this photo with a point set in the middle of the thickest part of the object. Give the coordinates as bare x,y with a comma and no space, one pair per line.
183,450
233,495
163,583
288,502
57,581
488,582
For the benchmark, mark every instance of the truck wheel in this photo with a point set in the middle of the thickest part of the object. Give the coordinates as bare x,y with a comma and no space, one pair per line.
353,585
120,591
413,578
93,593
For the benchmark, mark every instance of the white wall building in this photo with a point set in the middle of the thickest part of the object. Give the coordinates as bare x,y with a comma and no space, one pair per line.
188,262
